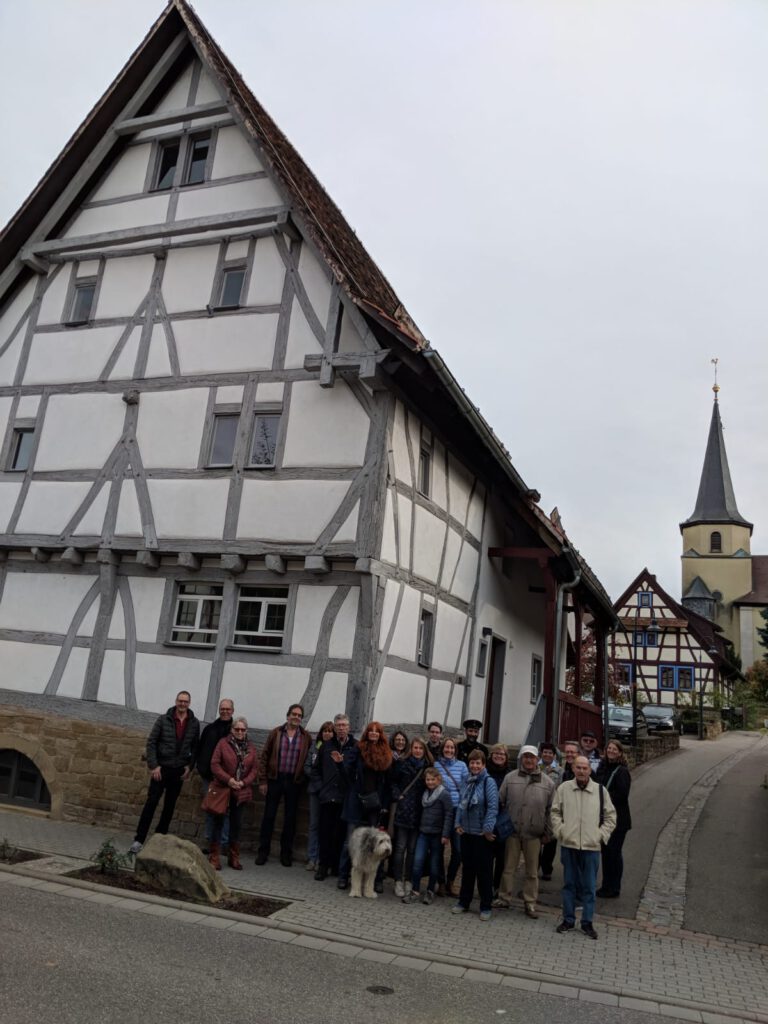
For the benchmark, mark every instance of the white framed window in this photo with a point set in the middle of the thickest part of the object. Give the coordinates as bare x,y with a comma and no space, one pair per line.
261,618
197,158
537,677
266,428
181,161
197,613
22,445
231,290
223,439
426,634
167,161
83,296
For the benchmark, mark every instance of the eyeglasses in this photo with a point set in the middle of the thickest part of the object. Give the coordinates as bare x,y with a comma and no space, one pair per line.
239,729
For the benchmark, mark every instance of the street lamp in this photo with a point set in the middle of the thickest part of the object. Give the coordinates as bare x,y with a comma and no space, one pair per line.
651,630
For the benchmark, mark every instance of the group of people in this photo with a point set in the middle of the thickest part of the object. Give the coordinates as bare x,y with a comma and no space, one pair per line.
447,803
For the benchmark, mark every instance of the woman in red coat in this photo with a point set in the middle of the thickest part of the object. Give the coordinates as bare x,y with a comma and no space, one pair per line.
234,764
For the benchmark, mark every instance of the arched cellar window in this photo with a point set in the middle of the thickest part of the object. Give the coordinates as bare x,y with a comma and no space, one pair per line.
21,782
715,542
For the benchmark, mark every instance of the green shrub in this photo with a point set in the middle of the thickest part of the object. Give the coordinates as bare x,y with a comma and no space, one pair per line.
110,860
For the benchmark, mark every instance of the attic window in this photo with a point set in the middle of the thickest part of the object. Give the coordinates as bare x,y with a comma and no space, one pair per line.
645,599
82,301
716,542
197,159
231,287
166,165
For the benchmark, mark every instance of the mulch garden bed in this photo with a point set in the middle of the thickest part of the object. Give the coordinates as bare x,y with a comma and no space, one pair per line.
13,856
242,903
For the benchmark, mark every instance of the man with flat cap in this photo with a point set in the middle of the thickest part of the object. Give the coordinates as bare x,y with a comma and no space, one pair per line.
589,749
472,727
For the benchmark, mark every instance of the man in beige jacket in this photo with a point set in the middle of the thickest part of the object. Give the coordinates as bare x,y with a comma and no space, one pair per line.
583,817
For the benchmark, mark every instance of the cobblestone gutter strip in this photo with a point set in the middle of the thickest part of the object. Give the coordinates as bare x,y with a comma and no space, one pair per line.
316,938
663,899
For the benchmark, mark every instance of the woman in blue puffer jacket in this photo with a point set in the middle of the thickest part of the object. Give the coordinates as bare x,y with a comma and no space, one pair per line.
454,774
475,822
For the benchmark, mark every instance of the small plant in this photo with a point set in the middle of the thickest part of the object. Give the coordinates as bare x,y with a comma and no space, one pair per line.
108,859
7,850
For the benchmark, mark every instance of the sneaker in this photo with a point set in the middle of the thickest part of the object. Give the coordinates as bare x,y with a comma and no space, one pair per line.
378,886
530,911
565,926
261,859
427,898
458,909
412,897
485,915
589,931
400,889
342,883
135,847
500,903
311,865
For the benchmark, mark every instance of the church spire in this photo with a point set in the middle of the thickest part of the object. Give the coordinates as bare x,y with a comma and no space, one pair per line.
716,502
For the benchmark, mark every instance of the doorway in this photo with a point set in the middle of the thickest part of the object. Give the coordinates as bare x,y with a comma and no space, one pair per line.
494,690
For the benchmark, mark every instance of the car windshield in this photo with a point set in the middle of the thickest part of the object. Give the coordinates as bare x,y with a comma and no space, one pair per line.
657,712
621,715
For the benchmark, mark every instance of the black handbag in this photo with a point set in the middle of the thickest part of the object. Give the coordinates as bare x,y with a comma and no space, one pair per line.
370,801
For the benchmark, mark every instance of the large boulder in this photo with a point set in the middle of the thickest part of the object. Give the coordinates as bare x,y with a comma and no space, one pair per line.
174,865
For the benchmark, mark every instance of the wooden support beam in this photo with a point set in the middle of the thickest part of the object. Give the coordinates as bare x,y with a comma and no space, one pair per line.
188,560
363,365
317,564
149,559
40,554
131,125
190,226
3,555
234,564
72,556
37,265
275,563
104,556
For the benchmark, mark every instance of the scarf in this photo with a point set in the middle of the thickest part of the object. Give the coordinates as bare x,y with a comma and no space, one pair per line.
470,796
240,748
429,796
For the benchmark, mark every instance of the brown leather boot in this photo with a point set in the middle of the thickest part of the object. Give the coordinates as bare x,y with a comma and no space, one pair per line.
234,857
213,856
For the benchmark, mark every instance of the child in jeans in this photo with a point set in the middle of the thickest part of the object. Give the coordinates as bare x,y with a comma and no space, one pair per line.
434,835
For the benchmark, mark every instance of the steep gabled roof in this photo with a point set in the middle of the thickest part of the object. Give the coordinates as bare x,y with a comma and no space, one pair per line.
716,502
758,595
699,588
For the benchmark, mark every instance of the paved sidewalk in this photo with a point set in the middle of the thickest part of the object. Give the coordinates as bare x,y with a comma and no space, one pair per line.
641,966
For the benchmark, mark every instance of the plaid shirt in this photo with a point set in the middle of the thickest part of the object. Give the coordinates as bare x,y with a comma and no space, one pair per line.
289,752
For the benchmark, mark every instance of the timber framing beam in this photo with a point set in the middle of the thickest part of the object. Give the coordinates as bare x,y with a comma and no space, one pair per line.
191,226
131,125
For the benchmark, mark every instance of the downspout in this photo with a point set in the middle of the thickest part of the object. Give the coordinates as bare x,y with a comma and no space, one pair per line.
561,590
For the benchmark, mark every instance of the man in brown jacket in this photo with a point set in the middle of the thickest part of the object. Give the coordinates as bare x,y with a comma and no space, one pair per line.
282,772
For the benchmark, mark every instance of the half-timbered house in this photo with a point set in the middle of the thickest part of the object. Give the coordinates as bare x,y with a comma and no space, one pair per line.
230,460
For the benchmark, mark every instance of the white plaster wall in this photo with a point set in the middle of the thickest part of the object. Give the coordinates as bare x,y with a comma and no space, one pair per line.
257,194
27,667
128,521
9,492
316,283
437,700
237,250
73,677
400,697
50,505
455,714
288,509
399,446
147,597
349,339
45,602
233,154
116,630
267,275
466,573
112,680
233,394
127,176
326,427
11,312
331,700
746,636
126,361
218,344
459,487
124,284
52,305
9,360
347,532
64,357
160,677
450,631
404,637
5,409
170,427
452,550
311,603
88,626
439,489
343,633
69,439
189,508
118,216
188,278
301,341
429,534
92,523
476,511
176,97
158,359
262,692
268,391
28,405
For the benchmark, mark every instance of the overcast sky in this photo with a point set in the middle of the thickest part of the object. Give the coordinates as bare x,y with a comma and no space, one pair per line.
569,196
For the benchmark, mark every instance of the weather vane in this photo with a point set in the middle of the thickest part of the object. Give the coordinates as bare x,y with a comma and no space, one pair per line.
715,386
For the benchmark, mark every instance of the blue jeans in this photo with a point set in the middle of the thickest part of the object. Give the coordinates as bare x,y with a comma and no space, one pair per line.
579,879
429,850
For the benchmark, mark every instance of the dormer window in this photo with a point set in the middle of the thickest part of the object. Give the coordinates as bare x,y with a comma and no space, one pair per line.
181,161
716,542
167,163
197,159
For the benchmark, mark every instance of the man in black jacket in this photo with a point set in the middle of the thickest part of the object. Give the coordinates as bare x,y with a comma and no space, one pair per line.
209,739
171,750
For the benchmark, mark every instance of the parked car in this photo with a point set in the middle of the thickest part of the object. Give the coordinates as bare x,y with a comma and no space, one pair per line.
661,718
620,724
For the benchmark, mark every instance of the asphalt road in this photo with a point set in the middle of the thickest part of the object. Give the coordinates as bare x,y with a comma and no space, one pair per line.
728,856
71,962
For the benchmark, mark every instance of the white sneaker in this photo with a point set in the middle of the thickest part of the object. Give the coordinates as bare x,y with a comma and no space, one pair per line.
400,890
135,847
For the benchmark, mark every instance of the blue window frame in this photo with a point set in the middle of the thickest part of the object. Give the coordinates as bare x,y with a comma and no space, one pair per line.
641,638
644,599
676,677
626,673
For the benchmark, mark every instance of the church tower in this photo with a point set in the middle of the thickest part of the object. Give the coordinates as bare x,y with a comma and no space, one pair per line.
717,561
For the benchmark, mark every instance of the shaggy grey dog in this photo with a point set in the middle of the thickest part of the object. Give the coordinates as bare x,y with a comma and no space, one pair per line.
368,847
